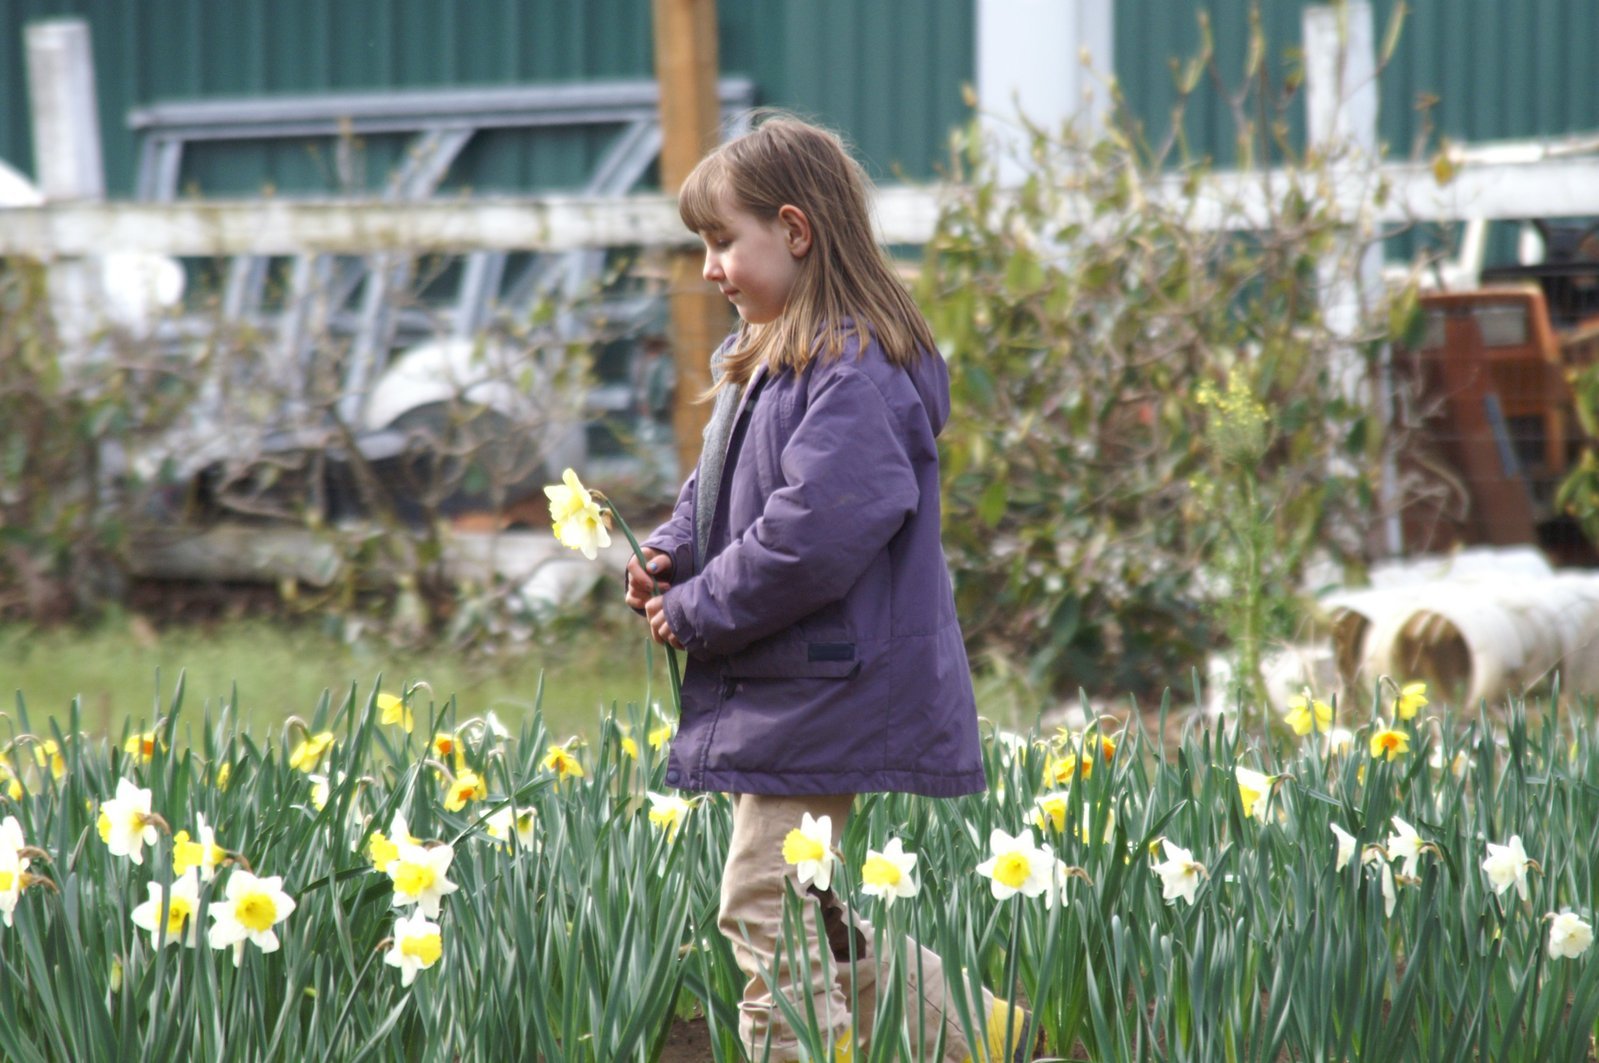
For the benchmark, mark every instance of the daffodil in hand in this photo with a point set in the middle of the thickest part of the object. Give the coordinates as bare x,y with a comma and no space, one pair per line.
580,523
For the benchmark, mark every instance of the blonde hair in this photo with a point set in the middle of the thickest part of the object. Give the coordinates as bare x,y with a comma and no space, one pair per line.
846,283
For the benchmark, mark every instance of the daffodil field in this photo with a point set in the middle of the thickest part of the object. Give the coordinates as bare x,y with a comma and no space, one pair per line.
389,881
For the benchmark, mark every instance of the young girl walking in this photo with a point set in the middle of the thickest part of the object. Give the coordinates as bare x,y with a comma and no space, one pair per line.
804,576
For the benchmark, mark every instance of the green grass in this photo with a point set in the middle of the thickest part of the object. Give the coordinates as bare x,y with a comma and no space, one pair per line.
123,670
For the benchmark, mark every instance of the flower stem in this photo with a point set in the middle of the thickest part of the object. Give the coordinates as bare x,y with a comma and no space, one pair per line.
638,552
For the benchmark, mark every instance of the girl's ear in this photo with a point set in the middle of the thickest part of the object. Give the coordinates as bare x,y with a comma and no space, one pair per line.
796,229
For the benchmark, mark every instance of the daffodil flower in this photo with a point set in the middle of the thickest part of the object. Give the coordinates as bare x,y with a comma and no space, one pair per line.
1254,791
1017,864
445,744
1306,714
250,908
1569,935
468,786
309,753
1346,847
394,711
12,874
1412,698
667,811
561,761
184,904
629,746
125,823
809,847
1387,742
1049,811
48,754
1179,872
420,876
141,746
384,849
1405,844
579,521
1507,865
205,854
12,783
416,946
509,823
1373,858
890,874
659,736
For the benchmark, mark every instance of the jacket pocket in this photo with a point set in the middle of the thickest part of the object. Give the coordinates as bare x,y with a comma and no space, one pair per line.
788,655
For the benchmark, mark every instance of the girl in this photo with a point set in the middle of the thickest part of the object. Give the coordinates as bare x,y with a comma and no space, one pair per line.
803,570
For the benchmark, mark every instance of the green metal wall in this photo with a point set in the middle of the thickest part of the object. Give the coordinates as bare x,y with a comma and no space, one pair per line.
887,73
1497,68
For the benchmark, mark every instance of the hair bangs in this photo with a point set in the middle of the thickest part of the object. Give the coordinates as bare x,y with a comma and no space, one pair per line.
702,200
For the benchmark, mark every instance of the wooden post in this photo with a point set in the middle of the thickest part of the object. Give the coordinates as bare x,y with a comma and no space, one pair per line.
691,122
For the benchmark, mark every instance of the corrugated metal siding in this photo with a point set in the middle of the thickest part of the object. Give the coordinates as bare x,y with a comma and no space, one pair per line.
1497,69
887,73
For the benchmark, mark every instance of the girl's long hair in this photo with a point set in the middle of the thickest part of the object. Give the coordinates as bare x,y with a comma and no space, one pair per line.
846,283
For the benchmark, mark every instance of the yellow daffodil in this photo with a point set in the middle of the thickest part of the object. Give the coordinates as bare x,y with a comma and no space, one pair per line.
889,874
1061,769
247,912
48,754
579,521
1017,864
629,746
1050,811
1306,714
1507,866
667,811
1254,790
393,711
416,946
384,849
420,876
182,907
561,761
1387,742
1179,873
205,854
659,736
224,775
1569,935
1412,698
125,823
468,786
13,785
809,847
309,753
142,746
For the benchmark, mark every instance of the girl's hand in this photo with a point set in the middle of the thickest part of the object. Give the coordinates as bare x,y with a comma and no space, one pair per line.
660,627
638,581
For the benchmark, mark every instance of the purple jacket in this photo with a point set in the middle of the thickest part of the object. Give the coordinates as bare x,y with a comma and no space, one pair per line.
824,652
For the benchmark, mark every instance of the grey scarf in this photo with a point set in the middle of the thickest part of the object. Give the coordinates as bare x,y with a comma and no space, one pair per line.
713,453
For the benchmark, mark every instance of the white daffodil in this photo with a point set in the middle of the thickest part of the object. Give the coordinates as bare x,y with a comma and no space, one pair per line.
511,823
1018,865
667,811
1254,791
1507,865
1179,872
420,875
11,839
11,882
1569,935
416,945
1405,844
890,874
809,847
205,854
1346,847
182,927
1340,740
125,823
250,907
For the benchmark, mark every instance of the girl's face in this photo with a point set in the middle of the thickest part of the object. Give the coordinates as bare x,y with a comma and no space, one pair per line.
754,262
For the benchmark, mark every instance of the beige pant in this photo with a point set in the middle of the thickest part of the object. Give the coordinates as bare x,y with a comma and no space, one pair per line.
753,891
